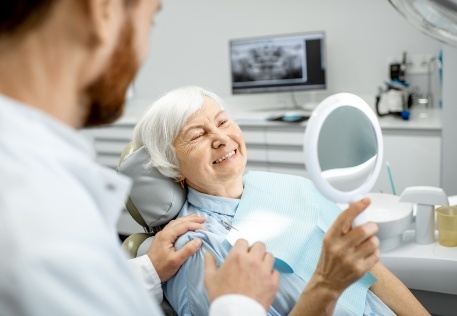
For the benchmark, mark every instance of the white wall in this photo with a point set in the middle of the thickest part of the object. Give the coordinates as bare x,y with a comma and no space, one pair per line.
189,45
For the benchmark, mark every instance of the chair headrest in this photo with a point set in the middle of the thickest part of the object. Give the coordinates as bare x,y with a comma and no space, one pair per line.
157,199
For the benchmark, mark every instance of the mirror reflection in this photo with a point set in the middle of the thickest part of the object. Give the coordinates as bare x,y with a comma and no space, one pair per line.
347,148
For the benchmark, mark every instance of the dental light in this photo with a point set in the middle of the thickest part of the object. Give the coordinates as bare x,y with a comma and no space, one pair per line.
436,18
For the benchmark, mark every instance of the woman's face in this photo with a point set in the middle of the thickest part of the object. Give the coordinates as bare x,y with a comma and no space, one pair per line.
211,151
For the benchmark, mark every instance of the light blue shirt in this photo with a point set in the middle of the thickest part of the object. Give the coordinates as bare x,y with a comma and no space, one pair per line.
186,291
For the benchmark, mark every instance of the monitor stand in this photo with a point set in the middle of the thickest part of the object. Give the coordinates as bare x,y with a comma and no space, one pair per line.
311,103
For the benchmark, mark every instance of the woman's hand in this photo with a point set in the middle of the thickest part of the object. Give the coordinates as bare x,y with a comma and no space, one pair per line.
246,270
347,254
162,253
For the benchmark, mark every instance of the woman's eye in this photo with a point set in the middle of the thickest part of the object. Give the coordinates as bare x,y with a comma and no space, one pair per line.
197,136
223,122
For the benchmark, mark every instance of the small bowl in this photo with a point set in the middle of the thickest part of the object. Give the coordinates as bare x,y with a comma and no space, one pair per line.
392,218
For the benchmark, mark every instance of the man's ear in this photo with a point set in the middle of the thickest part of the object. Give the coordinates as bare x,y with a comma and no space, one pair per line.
107,17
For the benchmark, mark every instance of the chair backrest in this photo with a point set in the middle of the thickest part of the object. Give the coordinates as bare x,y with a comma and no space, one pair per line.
154,199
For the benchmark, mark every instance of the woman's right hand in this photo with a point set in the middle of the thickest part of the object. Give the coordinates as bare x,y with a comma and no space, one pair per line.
348,253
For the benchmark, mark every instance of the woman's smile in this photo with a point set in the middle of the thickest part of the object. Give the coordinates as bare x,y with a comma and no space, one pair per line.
226,157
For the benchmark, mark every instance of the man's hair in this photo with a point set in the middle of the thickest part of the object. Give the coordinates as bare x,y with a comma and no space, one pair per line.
19,16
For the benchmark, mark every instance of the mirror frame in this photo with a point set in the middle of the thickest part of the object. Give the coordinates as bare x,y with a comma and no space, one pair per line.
310,146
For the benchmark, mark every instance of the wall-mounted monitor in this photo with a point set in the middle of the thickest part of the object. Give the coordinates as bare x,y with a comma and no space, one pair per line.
294,62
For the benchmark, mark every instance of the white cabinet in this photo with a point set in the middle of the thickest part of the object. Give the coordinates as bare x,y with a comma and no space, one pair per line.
414,158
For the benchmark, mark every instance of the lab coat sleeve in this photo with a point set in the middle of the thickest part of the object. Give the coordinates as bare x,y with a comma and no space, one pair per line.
235,304
148,274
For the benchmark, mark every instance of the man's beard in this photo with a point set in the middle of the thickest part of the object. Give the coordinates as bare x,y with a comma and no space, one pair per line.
105,97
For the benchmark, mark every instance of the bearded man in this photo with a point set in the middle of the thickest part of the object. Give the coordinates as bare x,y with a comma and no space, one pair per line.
64,65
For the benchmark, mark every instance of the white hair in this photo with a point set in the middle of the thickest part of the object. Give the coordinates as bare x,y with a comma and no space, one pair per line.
163,121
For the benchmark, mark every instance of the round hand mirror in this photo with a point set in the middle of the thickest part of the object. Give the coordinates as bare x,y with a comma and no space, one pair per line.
343,149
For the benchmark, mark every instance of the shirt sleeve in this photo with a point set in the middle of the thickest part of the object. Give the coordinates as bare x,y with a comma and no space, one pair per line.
235,304
148,274
185,290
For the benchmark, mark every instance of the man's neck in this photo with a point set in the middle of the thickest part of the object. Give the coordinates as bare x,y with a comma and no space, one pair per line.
40,76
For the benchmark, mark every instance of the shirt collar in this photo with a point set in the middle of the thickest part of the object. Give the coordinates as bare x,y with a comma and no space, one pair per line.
211,203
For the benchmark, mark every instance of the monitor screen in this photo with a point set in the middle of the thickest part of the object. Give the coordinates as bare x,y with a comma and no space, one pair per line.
278,63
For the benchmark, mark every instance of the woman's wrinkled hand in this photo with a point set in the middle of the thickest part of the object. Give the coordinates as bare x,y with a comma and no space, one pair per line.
347,253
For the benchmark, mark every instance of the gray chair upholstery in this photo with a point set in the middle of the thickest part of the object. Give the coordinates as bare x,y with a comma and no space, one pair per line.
154,200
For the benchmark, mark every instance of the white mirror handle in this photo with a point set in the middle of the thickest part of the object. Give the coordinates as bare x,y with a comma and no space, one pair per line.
361,219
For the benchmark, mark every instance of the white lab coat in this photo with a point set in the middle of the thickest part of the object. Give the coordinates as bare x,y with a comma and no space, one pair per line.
59,250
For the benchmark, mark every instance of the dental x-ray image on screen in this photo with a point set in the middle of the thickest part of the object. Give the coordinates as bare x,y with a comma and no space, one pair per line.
278,63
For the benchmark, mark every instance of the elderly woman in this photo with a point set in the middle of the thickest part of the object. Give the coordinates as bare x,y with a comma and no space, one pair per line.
191,139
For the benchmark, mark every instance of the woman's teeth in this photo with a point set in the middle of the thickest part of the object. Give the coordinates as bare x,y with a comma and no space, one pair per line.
230,154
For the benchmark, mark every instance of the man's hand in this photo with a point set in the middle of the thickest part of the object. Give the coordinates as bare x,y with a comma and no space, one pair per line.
162,253
348,253
246,270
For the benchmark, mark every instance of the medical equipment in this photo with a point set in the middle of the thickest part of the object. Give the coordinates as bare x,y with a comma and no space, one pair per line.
278,63
342,133
425,199
398,70
395,99
436,18
392,217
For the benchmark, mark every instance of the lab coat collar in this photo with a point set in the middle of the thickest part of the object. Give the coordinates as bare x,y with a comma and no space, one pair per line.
37,119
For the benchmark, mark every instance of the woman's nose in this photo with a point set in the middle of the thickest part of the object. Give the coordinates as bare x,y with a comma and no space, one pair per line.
219,139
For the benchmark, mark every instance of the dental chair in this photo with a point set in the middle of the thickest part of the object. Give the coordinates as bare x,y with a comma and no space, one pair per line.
154,200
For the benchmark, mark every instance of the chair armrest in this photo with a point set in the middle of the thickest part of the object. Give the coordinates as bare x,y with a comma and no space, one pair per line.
133,242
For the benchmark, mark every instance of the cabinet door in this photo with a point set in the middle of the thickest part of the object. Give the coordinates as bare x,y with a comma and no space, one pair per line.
285,149
414,158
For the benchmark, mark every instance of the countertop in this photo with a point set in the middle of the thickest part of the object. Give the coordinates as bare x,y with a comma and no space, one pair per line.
420,119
